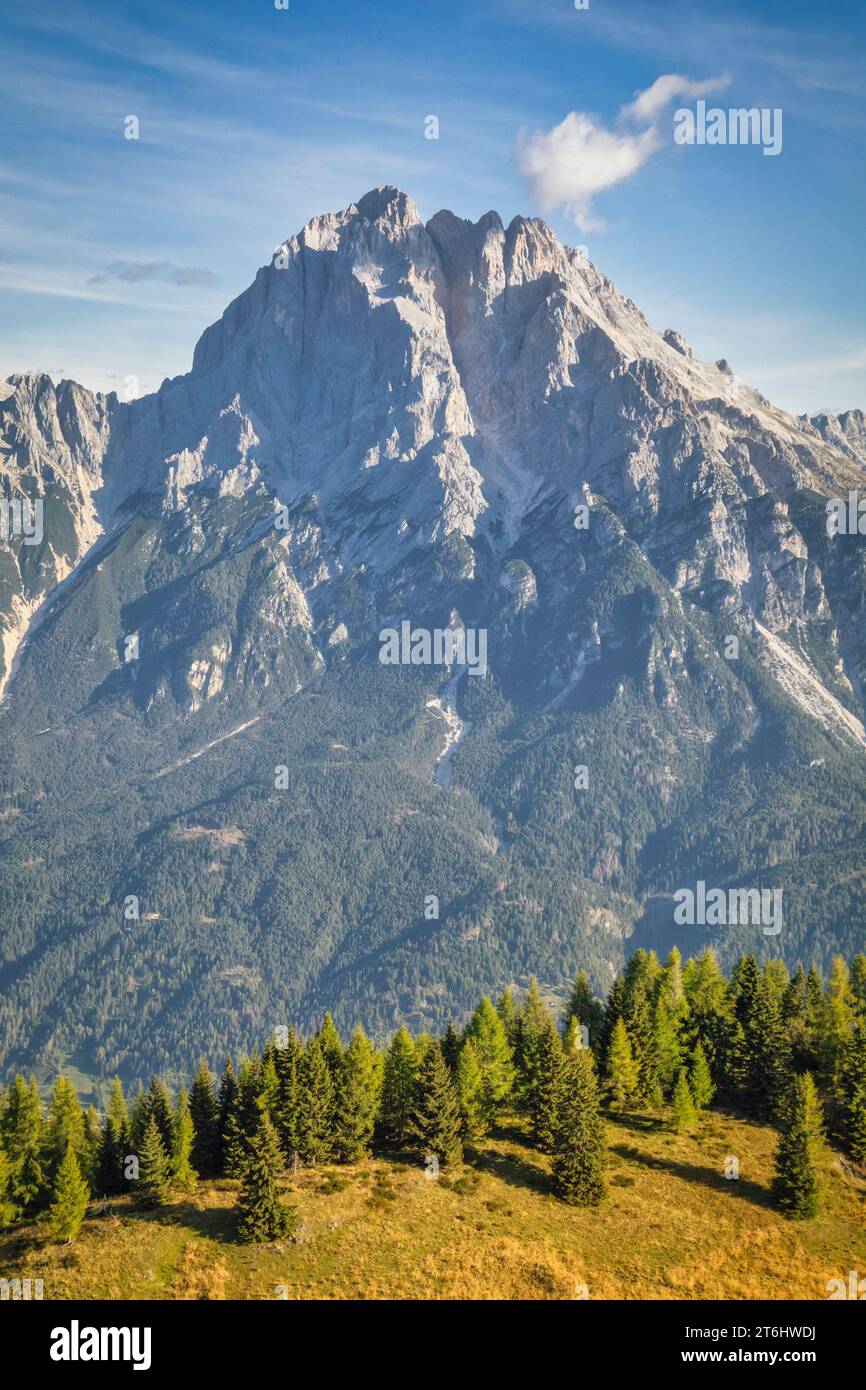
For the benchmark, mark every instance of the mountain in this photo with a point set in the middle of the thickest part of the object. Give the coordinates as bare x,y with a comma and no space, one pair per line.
439,424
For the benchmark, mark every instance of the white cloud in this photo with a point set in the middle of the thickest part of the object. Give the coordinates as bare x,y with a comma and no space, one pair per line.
569,164
649,105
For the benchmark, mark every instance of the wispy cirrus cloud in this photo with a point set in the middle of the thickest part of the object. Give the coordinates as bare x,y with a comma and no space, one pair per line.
134,272
566,166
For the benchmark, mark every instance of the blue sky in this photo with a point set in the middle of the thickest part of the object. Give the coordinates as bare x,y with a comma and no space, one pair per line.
116,253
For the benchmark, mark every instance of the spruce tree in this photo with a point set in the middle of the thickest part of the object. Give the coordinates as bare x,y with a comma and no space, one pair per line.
667,1055
579,1151
114,1144
543,1095
227,1103
795,1183
700,1078
287,1119
684,1116
316,1120
584,1008
204,1113
854,1095
357,1099
398,1091
451,1048
622,1072
152,1188
507,1010
262,1216
21,1136
183,1175
435,1124
71,1195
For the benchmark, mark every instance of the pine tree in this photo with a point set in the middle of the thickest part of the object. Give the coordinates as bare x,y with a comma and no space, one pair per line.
470,1092
398,1091
262,1216
153,1168
71,1195
487,1032
684,1116
622,1073
795,1184
183,1175
435,1122
579,1152
204,1113
700,1078
316,1121
543,1096
357,1099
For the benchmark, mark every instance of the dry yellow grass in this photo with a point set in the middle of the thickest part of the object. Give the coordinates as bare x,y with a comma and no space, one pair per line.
671,1228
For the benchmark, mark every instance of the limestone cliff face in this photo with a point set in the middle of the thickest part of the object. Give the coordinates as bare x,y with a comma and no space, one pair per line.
411,400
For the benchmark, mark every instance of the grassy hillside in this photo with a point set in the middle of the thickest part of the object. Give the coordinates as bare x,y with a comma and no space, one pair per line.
672,1228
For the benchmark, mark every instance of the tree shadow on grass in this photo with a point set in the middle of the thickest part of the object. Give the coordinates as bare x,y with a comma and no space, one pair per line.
512,1169
692,1172
216,1223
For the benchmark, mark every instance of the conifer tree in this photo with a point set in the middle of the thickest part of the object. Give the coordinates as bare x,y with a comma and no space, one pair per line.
684,1115
71,1195
451,1048
21,1136
487,1032
227,1103
579,1152
767,1051
263,1217
543,1096
585,1009
795,1183
398,1090
858,983
667,1056
316,1121
114,1144
65,1126
854,1095
356,1100
331,1045
436,1118
470,1092
531,1024
153,1168
289,1061
183,1175
159,1106
622,1073
700,1078
9,1212
506,1007
204,1113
